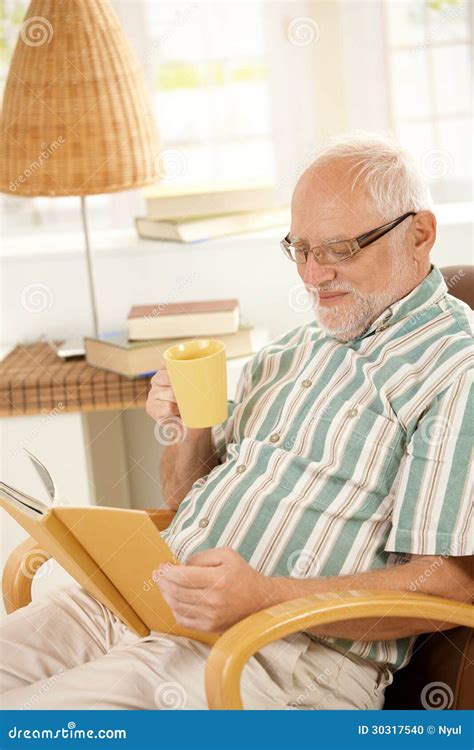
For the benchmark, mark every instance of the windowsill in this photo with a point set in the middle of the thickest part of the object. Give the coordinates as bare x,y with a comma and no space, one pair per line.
113,241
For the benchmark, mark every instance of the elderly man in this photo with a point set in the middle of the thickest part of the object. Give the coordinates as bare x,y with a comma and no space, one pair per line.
343,465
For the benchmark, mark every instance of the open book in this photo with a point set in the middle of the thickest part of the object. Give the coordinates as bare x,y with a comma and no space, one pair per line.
110,552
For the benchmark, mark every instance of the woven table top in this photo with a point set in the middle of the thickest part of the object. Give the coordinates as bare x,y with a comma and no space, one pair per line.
35,380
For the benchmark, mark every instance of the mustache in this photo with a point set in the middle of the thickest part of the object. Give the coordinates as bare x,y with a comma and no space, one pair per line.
338,286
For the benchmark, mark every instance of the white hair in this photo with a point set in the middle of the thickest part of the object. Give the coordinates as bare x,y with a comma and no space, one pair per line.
388,172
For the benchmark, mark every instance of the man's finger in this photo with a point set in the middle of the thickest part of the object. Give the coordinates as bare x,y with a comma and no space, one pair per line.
193,577
162,394
210,557
182,593
161,377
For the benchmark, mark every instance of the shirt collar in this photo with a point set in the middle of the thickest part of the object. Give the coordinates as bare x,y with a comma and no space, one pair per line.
426,294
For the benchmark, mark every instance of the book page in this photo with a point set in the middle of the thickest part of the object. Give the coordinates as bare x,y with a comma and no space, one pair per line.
20,500
45,477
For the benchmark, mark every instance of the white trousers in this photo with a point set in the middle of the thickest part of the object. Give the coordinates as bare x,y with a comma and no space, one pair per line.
68,651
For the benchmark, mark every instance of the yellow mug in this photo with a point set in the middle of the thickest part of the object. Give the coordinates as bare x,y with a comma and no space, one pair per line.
198,374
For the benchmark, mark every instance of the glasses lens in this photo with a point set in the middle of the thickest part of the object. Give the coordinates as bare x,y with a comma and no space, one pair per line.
294,253
333,253
325,254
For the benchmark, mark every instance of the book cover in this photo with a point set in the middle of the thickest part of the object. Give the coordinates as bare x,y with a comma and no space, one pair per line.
110,552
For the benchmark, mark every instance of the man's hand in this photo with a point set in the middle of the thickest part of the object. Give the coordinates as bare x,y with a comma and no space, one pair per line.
162,406
213,590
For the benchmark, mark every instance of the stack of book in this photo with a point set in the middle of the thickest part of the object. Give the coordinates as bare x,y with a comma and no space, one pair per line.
138,351
194,213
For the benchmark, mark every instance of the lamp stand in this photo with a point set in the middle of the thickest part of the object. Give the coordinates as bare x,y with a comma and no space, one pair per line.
90,275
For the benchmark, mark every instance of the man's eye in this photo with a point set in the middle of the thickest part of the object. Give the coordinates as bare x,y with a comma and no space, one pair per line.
339,253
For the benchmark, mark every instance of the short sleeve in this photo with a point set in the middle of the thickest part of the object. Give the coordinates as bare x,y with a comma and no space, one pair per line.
221,434
432,512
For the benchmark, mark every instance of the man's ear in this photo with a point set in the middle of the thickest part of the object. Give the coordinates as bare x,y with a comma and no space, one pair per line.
423,234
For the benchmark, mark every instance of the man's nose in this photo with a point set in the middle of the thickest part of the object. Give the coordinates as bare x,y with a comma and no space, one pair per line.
316,274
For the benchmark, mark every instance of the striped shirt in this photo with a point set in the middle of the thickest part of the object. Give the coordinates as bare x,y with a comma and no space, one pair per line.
343,457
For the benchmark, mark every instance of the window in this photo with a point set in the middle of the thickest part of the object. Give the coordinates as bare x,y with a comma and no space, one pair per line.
207,72
429,47
208,79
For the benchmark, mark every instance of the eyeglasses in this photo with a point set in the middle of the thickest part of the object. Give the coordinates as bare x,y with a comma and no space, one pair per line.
330,253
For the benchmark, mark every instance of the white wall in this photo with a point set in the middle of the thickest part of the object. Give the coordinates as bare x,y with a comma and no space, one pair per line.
252,268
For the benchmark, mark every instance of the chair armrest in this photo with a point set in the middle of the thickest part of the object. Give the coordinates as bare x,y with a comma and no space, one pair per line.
229,655
19,572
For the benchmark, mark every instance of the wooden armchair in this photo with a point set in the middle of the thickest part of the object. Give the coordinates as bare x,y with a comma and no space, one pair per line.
442,657
445,657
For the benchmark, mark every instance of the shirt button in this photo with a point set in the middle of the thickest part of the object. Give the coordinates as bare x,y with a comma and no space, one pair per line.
353,412
306,383
382,327
240,468
203,523
275,437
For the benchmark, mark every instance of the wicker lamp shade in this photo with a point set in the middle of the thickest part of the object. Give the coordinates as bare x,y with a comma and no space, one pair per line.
76,116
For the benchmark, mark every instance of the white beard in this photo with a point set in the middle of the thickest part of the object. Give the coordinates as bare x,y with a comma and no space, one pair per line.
348,321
